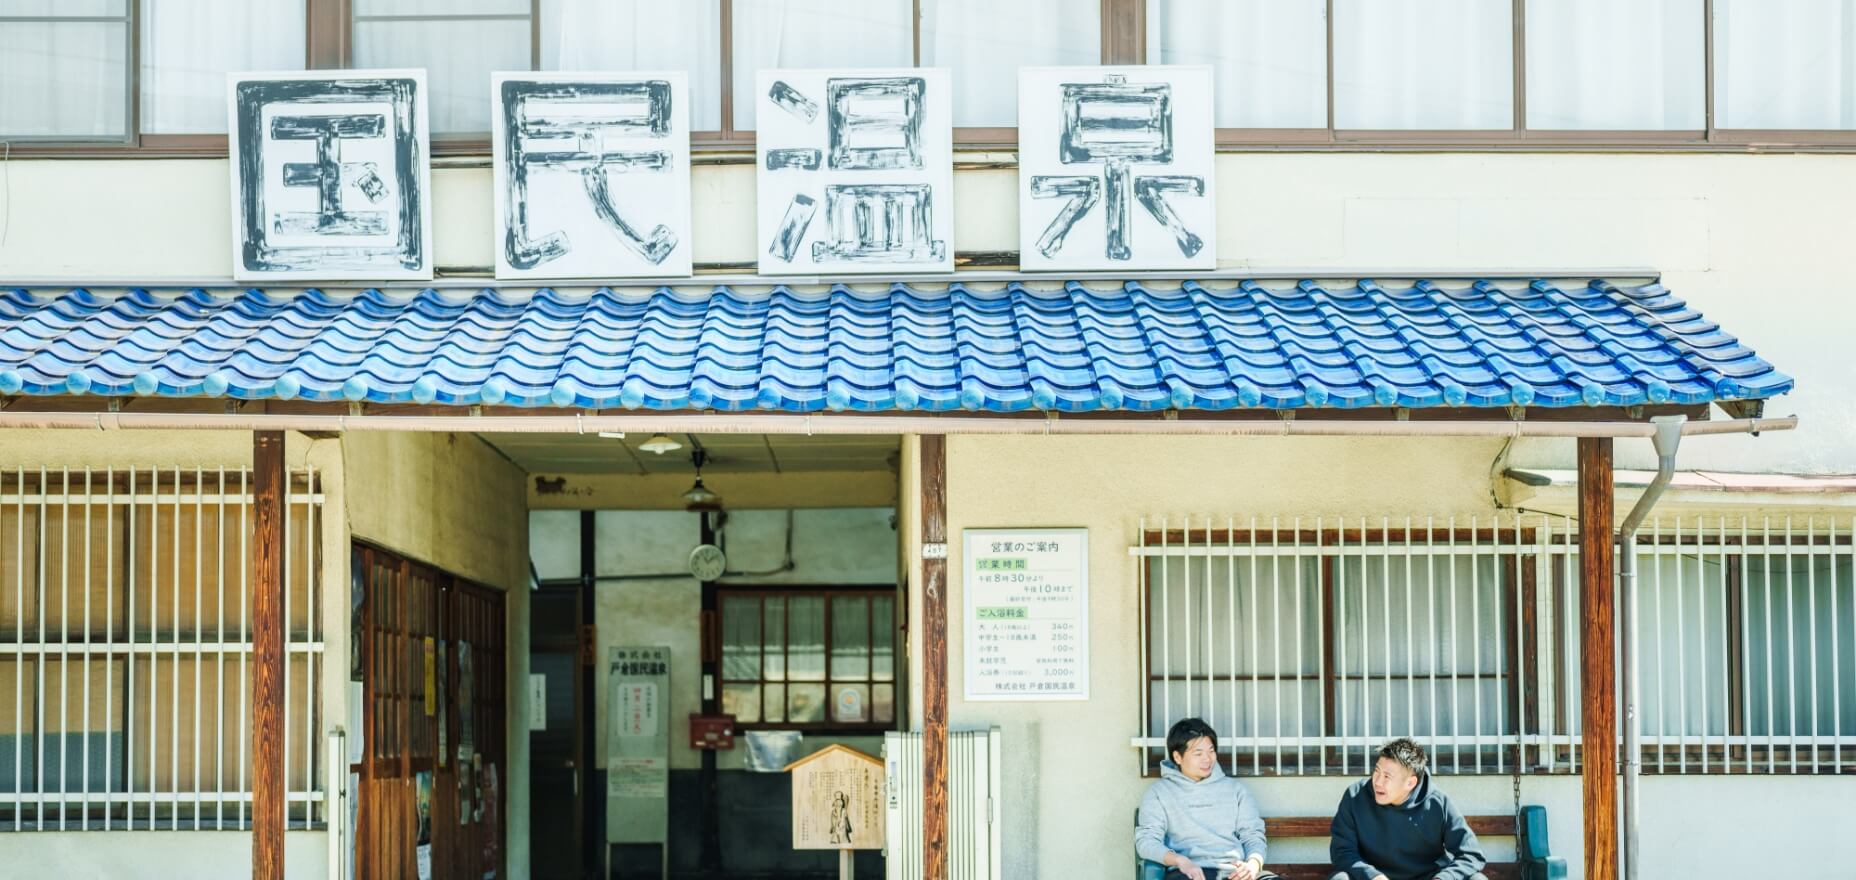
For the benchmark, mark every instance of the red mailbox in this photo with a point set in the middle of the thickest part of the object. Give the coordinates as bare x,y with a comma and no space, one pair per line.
712,731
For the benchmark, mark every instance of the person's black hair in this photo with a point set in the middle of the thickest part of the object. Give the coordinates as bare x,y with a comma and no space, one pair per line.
1184,732
1406,753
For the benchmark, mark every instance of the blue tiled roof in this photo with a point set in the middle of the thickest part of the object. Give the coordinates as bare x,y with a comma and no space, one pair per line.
1068,347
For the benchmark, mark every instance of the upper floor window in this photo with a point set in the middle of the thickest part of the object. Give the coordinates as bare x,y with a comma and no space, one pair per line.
66,72
1365,72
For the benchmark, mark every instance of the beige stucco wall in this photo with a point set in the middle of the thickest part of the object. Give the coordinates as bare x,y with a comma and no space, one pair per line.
1072,780
452,501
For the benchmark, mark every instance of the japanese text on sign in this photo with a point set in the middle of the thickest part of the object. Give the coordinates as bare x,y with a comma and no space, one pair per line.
1027,622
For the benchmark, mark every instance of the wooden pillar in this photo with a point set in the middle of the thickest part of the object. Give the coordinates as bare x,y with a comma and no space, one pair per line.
934,661
269,485
1598,678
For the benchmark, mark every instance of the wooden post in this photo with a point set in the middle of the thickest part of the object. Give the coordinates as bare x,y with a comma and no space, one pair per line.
934,661
269,482
1598,679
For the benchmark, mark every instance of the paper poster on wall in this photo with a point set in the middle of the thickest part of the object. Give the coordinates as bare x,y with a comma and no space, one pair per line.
592,174
492,828
330,175
444,675
430,653
1115,168
854,171
467,699
357,722
537,701
422,807
1027,614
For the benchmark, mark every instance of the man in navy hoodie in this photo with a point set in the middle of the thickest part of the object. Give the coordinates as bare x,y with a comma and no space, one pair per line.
1198,822
1396,825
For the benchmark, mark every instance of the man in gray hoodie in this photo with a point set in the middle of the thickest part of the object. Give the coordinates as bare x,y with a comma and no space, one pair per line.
1397,825
1198,822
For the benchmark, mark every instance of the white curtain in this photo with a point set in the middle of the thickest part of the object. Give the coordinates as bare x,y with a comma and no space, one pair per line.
1785,64
635,35
1268,57
1616,64
816,33
188,47
66,79
1423,64
458,53
985,42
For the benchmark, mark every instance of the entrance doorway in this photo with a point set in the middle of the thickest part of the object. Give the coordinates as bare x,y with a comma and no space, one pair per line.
788,618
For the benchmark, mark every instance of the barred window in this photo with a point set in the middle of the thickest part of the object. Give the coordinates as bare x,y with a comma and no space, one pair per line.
1307,643
125,643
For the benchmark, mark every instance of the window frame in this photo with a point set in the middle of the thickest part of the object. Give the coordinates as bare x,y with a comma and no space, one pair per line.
1519,694
330,46
827,593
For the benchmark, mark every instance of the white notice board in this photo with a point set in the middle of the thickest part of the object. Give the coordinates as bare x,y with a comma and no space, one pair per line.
1027,614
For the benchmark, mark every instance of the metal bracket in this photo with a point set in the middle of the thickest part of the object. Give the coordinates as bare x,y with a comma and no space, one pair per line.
354,407
1517,413
115,404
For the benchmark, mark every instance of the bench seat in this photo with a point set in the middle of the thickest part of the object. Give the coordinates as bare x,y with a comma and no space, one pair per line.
1533,861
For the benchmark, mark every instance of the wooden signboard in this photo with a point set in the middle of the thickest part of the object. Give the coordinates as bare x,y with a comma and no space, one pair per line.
837,800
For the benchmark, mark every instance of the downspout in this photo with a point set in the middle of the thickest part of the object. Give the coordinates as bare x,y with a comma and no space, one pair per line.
1667,437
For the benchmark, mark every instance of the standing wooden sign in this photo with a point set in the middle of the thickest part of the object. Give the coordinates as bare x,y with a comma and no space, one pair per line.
837,800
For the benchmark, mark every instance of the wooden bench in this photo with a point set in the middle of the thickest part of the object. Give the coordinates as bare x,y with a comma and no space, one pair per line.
1533,862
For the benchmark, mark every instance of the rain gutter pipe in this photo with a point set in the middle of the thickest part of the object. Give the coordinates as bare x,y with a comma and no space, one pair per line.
846,424
1667,437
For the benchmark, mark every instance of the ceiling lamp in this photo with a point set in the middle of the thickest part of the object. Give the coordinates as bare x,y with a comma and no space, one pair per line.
660,443
698,497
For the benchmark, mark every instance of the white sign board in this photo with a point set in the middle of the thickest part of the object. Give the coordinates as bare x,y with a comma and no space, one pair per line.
331,175
1027,614
1115,168
855,171
592,174
637,744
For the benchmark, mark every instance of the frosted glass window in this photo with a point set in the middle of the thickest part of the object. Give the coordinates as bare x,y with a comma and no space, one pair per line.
1788,64
1616,64
1268,57
458,48
606,35
1423,64
64,79
816,33
986,42
188,47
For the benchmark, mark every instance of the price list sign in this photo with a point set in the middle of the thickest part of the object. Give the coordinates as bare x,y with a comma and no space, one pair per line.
1027,609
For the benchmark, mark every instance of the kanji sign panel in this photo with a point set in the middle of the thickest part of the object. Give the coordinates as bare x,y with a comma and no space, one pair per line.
330,175
855,171
592,174
1027,614
837,800
1115,168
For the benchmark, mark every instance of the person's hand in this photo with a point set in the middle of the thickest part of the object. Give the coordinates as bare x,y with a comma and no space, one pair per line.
1244,870
1190,869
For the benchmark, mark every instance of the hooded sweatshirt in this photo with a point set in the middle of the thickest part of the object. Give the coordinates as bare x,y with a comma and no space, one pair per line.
1422,838
1205,821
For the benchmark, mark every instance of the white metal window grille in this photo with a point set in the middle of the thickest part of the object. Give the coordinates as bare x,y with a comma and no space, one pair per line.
125,643
1309,642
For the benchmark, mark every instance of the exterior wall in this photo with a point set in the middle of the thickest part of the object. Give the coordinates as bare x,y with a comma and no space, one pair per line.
1061,822
1729,232
401,491
131,854
197,855
451,501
